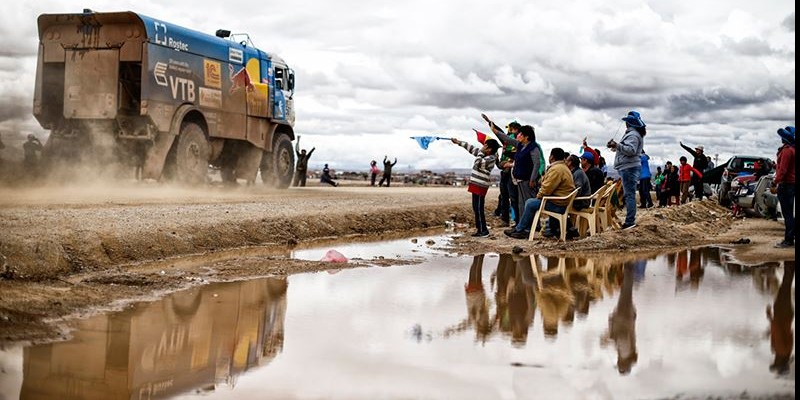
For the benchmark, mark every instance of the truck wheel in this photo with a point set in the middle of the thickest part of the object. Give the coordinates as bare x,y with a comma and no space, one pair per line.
191,156
282,166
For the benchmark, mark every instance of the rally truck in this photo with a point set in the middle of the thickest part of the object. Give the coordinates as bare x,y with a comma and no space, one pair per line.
168,100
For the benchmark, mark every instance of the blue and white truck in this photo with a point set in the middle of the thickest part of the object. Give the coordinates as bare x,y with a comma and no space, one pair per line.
171,101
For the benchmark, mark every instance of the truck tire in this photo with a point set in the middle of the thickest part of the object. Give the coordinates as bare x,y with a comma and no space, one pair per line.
191,156
281,162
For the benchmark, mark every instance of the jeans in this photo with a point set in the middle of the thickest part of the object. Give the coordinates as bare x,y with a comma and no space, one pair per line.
531,207
503,207
786,198
630,179
513,198
478,203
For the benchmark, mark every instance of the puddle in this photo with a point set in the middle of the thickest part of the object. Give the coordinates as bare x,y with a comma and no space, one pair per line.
681,325
420,246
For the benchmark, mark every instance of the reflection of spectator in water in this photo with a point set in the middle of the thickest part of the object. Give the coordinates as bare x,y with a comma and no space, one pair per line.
696,271
781,316
622,323
505,269
477,305
521,301
554,299
765,280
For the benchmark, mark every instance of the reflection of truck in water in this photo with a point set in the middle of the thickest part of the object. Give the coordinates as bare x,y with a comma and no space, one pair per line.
169,100
192,341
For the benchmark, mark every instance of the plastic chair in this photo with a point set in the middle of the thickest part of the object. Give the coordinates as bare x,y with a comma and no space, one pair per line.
562,218
607,210
589,214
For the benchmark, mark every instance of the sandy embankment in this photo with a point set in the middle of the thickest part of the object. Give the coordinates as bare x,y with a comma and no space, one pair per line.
79,250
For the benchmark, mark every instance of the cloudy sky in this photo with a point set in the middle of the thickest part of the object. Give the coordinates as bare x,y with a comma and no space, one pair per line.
372,73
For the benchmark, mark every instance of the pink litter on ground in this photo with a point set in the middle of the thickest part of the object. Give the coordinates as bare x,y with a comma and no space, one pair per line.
334,256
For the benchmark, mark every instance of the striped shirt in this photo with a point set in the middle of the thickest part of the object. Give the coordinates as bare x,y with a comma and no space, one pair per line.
482,167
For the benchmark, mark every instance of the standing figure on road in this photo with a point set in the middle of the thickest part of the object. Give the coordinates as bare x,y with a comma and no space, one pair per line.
700,163
387,171
627,162
479,180
783,184
30,149
301,171
686,175
373,172
326,177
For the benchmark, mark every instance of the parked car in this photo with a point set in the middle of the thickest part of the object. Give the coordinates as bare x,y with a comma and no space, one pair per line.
723,175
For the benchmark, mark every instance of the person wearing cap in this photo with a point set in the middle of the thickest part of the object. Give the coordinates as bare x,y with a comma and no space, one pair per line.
783,184
628,163
699,163
596,178
479,180
528,166
645,200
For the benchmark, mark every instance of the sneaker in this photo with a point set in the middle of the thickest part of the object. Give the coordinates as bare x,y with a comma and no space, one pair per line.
481,234
509,230
519,235
784,244
548,234
628,226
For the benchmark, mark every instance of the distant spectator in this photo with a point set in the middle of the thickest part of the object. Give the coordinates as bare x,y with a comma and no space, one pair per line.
387,171
686,174
301,170
645,200
783,184
373,172
327,177
700,163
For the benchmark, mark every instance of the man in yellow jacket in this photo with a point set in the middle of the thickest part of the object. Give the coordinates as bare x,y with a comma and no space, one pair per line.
557,181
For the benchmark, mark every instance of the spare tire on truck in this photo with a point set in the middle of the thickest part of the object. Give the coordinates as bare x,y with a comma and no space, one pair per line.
277,167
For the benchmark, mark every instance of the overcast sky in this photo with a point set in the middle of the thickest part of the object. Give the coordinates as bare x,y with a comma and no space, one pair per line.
372,73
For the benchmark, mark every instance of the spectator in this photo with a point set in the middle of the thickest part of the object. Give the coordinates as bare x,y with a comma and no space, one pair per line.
700,163
783,184
596,178
686,175
479,180
373,172
645,200
301,171
657,181
557,182
387,171
528,165
628,163
508,201
327,177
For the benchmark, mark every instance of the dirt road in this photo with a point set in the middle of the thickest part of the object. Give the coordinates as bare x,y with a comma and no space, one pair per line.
71,251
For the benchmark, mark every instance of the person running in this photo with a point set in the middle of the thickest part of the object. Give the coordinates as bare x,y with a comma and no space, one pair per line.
479,180
699,163
783,184
326,176
387,171
627,162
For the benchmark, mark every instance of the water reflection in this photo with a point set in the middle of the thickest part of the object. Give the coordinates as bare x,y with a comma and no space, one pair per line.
681,324
192,340
781,316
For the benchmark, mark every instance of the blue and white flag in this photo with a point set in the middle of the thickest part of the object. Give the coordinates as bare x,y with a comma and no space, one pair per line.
425,141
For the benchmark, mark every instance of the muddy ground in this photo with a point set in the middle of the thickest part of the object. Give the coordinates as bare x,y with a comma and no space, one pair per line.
73,251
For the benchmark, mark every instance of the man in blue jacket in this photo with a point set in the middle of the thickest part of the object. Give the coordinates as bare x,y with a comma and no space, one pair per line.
645,201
